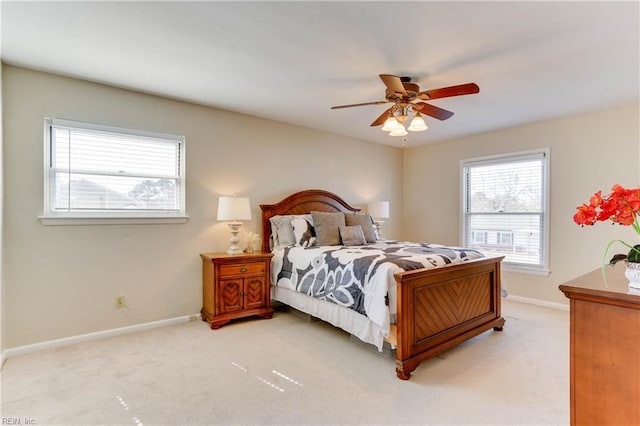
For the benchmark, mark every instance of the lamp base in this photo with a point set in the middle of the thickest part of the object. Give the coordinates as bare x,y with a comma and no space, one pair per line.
234,248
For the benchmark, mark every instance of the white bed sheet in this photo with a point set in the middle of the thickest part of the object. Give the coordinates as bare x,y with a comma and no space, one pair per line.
339,316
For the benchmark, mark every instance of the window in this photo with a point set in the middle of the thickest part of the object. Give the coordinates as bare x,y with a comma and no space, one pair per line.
505,208
98,172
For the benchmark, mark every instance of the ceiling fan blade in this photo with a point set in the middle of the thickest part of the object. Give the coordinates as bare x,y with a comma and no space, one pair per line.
446,92
433,111
380,120
393,83
355,105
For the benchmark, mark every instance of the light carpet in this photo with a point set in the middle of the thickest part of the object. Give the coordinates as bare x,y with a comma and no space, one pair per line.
288,370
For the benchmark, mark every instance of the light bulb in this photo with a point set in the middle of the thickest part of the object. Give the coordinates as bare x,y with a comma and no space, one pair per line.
417,124
390,124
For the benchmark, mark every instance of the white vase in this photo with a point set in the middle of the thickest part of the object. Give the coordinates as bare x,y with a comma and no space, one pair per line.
633,275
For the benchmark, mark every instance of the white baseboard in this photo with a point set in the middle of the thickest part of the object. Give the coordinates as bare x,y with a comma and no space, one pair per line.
22,350
538,302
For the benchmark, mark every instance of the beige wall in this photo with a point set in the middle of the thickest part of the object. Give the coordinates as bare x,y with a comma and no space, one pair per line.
61,281
588,152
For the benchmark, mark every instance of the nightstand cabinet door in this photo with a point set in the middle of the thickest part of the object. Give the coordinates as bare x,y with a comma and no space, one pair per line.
230,296
235,286
255,295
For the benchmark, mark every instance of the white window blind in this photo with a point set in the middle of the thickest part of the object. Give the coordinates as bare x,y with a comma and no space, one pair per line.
99,171
505,208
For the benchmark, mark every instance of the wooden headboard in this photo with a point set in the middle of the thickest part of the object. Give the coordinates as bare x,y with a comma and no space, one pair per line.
302,202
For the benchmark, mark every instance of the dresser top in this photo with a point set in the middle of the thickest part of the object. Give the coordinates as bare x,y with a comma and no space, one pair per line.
591,286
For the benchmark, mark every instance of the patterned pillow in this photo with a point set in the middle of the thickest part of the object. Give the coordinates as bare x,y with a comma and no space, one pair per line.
303,232
352,235
327,227
292,230
365,222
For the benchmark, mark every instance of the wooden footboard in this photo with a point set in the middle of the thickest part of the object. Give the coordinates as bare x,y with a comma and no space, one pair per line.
440,308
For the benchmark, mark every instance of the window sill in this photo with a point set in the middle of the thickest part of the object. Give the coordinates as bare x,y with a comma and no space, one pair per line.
150,220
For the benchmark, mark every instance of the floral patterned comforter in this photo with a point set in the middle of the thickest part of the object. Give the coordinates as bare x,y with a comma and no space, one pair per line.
359,277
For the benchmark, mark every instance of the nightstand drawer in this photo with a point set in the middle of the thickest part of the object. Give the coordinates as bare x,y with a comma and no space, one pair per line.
242,269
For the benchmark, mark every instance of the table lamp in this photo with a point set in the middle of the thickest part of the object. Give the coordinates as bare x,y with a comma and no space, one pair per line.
234,209
378,210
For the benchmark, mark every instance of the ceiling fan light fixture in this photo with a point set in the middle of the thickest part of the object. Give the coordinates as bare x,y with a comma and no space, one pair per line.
390,124
417,124
398,131
406,98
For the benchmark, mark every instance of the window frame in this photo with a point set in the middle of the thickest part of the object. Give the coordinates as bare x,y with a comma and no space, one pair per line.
540,269
52,217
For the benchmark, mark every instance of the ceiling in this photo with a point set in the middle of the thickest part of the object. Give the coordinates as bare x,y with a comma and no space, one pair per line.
292,61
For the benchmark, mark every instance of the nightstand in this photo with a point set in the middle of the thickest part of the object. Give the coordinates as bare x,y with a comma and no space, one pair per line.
235,286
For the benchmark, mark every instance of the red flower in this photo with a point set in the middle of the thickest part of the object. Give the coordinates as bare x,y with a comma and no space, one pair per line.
621,206
608,208
586,215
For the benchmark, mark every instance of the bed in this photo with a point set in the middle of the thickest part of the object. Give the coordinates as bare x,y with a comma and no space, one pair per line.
435,308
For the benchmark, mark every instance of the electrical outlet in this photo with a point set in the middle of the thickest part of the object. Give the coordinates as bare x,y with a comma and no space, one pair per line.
120,302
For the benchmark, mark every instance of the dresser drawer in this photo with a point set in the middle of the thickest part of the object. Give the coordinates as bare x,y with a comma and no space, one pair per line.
242,269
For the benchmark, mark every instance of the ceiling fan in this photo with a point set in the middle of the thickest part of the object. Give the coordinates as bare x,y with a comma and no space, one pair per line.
406,98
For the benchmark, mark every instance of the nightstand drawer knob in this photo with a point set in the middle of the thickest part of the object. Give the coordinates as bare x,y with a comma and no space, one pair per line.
243,269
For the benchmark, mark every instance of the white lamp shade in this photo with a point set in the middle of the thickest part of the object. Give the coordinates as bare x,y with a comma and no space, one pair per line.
390,124
398,131
417,124
378,209
234,208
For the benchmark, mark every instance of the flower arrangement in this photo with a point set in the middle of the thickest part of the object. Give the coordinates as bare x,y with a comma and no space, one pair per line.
622,207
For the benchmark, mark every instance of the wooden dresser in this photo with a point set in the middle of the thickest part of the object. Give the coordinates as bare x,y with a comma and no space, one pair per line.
235,286
604,349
